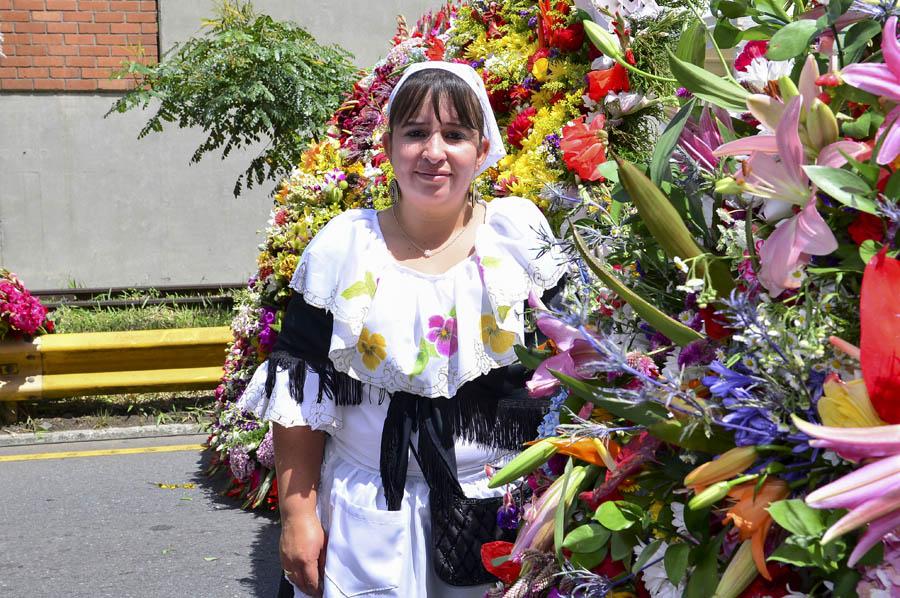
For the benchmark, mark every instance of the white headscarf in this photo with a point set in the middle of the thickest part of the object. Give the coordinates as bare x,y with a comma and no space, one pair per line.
491,131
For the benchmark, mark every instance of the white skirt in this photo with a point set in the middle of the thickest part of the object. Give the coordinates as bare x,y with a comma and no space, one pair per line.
371,552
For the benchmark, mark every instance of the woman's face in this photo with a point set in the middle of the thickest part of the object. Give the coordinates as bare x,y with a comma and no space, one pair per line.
434,160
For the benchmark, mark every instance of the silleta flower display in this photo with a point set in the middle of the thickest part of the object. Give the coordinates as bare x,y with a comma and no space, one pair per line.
724,363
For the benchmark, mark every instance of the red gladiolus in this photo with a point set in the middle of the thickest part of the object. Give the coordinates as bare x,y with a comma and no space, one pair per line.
435,49
879,345
865,227
508,571
613,79
520,126
584,147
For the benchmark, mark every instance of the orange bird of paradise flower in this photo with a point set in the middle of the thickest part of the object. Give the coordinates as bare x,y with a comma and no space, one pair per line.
750,517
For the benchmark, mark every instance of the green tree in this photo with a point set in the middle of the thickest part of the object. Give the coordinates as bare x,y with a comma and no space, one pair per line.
248,78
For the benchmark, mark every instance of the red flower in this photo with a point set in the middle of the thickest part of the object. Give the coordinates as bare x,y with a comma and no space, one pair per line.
865,227
571,38
520,126
541,53
499,98
508,571
435,49
714,324
879,345
753,49
613,79
584,147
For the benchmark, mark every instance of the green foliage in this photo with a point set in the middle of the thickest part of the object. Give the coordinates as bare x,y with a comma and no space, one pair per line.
248,79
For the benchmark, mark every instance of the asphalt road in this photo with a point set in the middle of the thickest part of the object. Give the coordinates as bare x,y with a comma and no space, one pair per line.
100,526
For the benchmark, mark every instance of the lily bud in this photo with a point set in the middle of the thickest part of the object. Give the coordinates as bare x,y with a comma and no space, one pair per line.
787,88
729,465
525,462
710,496
739,574
603,40
821,125
728,186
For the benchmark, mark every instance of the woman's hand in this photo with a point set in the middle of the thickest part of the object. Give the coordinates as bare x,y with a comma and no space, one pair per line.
303,544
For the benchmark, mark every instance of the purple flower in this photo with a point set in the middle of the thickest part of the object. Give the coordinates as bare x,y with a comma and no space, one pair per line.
696,353
508,514
442,332
532,22
682,92
241,465
752,426
728,383
265,452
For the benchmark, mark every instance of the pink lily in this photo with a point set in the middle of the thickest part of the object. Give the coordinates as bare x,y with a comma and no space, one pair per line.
883,80
790,246
769,110
871,493
575,357
698,140
880,79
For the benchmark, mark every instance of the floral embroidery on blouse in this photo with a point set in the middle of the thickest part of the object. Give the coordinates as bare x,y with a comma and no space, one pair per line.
372,347
499,340
442,332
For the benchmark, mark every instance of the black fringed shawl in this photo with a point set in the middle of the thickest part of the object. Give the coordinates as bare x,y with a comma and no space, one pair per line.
493,409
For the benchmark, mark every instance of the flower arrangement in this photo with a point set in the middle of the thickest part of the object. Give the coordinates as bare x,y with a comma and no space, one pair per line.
731,423
21,315
540,72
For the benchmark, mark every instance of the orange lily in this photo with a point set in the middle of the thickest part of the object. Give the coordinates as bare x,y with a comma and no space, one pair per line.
585,449
750,517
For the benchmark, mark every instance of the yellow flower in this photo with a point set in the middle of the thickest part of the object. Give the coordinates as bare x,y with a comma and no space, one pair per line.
847,405
492,335
540,68
729,465
287,263
372,346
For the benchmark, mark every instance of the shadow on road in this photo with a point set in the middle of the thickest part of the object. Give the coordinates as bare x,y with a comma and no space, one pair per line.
266,564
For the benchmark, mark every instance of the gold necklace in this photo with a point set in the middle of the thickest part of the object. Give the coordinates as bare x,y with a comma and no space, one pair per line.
427,253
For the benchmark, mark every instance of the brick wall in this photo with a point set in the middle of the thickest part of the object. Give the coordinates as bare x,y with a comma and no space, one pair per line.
74,45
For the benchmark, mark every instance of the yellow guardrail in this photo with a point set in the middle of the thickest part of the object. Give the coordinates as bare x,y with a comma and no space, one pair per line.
92,363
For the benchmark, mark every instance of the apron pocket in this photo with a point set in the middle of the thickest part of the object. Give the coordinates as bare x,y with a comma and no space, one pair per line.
365,550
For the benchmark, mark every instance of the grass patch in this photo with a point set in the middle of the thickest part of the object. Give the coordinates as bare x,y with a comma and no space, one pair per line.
150,317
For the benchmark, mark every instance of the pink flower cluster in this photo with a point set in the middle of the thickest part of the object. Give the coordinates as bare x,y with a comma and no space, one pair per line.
20,312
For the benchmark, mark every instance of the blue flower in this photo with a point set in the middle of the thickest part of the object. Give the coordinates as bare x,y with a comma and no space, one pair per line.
728,383
751,425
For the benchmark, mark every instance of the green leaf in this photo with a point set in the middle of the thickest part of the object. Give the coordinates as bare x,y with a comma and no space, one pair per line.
659,163
791,40
613,518
843,185
609,170
588,560
706,574
707,86
647,553
692,45
733,9
892,189
620,547
676,562
863,127
797,517
586,538
868,249
697,522
530,358
670,327
794,555
726,35
858,36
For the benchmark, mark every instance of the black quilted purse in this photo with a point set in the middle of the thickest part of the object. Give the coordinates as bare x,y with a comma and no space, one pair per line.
459,526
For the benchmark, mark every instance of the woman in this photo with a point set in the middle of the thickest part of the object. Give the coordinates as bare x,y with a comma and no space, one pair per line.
399,338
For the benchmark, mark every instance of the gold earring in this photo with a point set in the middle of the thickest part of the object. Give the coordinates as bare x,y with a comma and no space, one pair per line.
394,190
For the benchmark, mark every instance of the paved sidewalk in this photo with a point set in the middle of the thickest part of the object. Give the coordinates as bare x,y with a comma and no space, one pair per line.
97,526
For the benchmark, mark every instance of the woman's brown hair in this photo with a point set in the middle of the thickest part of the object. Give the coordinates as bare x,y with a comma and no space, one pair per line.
440,84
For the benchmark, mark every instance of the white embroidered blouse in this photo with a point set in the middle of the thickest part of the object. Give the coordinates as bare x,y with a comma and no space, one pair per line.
403,330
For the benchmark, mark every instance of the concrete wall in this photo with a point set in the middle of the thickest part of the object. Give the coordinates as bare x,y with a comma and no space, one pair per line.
83,201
